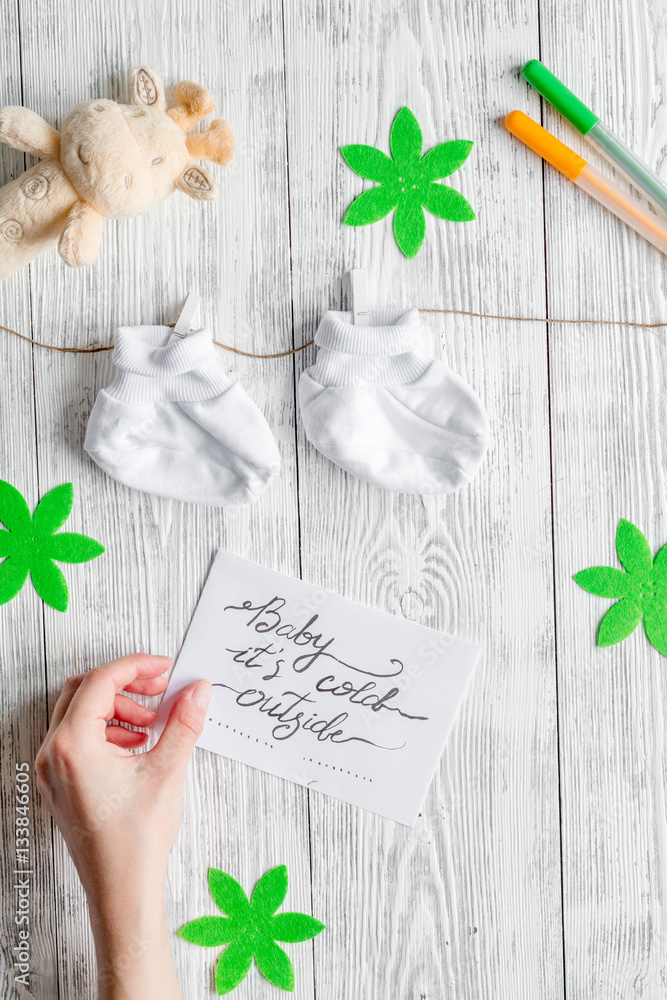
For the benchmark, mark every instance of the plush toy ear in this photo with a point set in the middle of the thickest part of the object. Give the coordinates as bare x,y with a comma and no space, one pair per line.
147,88
193,102
216,144
198,183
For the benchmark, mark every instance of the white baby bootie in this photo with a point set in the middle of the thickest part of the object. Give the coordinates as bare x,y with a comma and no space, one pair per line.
172,423
375,405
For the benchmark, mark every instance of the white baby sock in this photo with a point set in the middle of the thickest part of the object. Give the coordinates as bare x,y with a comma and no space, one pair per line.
382,410
173,423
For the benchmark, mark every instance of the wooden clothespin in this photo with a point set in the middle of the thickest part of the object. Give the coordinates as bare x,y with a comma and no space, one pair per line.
358,292
184,321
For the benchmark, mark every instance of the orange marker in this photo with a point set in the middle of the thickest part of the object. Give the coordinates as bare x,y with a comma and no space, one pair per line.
585,176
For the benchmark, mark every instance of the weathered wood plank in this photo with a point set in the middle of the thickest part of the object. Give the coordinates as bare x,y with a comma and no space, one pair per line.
23,711
468,903
141,594
608,417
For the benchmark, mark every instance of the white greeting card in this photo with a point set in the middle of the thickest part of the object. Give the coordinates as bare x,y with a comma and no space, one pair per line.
312,687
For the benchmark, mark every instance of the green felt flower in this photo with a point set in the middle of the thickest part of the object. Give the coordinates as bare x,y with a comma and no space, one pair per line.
407,182
641,587
30,544
251,929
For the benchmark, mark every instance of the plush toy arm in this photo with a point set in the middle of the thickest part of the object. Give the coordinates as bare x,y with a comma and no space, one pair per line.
81,236
24,130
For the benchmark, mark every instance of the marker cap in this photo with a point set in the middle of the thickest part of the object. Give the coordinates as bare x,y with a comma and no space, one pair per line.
558,95
544,144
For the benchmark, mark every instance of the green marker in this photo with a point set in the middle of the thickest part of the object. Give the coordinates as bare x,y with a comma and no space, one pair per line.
589,124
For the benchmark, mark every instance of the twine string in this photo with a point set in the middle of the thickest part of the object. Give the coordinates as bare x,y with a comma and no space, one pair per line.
97,349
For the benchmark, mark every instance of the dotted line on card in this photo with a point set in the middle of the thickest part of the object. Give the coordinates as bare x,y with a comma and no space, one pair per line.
247,735
309,760
342,770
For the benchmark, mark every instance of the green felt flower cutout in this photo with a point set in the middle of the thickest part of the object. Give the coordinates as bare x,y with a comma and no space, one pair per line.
29,545
641,587
251,929
408,182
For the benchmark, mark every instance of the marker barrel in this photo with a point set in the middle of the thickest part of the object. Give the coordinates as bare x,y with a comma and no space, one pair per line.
622,206
625,161
602,137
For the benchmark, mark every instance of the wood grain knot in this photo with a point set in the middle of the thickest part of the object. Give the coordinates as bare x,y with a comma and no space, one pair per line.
412,606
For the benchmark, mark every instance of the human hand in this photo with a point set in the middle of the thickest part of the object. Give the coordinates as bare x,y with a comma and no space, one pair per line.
119,812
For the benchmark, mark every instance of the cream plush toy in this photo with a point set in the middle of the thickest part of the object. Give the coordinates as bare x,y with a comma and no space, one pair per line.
108,161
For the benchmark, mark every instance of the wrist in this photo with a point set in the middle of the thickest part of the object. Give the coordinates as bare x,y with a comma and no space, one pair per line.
110,877
125,899
132,944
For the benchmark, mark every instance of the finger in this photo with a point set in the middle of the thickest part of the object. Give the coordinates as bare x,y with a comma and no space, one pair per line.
126,710
69,689
126,738
171,754
95,696
150,686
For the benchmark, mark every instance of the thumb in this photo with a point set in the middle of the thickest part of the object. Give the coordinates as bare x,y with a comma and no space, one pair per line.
171,754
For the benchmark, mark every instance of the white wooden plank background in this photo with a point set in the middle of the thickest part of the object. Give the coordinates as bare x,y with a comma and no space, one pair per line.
608,415
539,865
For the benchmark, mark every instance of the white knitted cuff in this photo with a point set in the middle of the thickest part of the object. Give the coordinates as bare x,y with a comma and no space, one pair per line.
150,369
386,352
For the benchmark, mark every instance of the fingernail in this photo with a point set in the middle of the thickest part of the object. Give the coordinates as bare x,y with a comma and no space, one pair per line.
202,694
